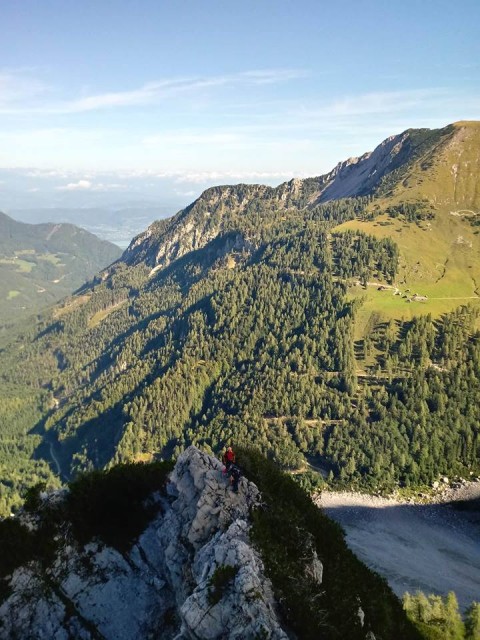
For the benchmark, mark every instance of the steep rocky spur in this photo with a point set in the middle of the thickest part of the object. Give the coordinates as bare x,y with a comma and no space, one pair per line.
165,587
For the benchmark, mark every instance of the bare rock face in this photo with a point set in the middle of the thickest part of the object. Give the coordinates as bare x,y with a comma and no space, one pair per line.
208,516
194,227
357,176
165,587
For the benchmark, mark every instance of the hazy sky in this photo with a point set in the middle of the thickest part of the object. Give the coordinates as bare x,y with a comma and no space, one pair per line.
198,92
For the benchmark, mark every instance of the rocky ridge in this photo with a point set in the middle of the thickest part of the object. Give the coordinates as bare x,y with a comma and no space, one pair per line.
213,212
358,176
164,587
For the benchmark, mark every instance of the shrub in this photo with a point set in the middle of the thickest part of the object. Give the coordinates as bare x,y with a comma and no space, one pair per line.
288,531
219,582
32,498
111,504
17,544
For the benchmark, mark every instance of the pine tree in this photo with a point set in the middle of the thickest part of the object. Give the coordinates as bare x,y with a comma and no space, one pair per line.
472,622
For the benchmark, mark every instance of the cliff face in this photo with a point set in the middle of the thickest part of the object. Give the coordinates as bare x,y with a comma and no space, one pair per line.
359,176
172,584
194,227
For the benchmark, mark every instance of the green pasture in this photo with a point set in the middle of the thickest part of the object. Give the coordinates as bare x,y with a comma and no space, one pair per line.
103,313
384,306
21,266
50,257
439,259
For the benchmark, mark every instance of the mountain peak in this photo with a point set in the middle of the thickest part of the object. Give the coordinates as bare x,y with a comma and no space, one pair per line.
392,165
471,124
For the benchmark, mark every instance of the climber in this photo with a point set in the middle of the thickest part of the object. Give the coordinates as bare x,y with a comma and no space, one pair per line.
228,458
234,474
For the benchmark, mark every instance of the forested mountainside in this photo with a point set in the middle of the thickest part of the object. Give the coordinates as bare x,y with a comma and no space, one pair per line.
42,263
323,331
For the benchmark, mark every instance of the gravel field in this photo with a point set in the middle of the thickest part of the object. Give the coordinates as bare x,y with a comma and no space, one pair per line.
432,547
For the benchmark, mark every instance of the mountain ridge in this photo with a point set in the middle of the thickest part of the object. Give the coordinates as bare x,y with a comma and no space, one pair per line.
206,217
207,563
42,263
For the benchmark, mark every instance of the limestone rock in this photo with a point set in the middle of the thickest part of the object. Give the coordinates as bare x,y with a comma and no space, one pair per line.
162,587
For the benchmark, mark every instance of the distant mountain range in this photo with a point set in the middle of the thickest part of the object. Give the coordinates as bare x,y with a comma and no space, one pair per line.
331,321
42,263
117,225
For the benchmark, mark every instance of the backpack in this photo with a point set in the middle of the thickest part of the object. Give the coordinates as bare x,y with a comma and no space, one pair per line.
235,472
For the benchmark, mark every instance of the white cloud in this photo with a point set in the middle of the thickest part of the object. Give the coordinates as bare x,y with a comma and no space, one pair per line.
43,137
189,138
187,194
205,177
17,87
17,90
272,76
87,185
81,185
46,173
382,102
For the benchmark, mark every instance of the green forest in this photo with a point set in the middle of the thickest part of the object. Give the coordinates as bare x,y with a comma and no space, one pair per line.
438,618
247,340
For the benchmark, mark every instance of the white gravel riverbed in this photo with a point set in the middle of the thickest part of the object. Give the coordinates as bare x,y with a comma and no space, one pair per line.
430,547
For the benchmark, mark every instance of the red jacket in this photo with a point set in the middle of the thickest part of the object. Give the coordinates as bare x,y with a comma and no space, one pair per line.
228,456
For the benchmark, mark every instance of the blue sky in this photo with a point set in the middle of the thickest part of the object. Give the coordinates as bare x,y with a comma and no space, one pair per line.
170,96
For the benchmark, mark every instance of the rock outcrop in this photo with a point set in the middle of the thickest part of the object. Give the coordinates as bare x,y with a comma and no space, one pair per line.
165,586
359,176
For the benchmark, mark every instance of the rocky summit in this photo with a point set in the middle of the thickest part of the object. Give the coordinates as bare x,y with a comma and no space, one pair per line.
191,574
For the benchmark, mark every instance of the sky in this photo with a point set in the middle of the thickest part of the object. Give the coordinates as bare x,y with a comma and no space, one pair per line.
104,102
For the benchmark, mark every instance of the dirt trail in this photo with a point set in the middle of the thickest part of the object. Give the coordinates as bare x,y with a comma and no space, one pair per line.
55,460
433,547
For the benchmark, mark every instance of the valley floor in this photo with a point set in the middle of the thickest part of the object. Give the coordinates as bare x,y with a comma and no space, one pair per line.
433,547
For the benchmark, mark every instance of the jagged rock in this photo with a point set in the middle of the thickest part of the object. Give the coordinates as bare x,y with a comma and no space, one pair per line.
162,587
244,599
315,568
361,616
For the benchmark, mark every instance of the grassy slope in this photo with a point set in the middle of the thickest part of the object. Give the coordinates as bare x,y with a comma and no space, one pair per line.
40,264
439,258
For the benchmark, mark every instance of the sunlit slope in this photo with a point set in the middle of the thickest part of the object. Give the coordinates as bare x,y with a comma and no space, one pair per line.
42,263
439,256
448,173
